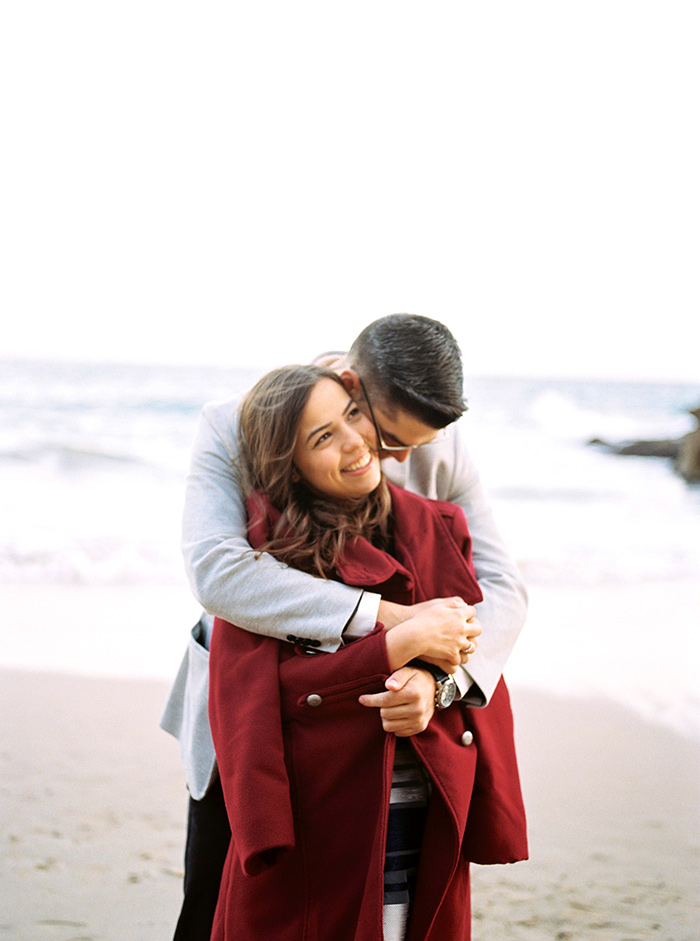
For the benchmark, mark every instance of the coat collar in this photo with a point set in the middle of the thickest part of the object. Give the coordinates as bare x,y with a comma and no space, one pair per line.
364,565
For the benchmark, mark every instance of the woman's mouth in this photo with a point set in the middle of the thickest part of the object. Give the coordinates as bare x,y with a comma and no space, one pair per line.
360,464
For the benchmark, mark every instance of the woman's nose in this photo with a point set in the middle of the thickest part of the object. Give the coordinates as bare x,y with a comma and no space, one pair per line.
353,440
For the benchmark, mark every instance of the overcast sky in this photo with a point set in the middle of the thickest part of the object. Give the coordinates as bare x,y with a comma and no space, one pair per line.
251,183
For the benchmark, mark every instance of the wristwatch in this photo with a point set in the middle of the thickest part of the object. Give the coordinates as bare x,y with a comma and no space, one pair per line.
445,685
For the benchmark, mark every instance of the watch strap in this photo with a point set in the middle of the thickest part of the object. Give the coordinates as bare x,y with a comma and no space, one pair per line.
443,687
438,674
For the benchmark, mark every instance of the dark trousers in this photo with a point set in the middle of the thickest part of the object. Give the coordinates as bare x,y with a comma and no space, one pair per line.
208,837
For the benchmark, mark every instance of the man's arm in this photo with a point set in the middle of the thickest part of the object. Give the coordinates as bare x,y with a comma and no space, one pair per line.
503,610
446,472
259,594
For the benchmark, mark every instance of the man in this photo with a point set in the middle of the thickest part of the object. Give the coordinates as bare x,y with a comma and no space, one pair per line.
405,372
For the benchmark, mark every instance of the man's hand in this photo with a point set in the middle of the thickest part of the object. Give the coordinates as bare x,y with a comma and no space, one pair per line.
408,705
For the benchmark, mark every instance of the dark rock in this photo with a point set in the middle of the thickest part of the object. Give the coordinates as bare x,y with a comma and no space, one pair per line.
684,452
687,463
664,448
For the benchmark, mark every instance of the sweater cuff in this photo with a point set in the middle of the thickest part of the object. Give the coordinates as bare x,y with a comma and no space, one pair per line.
364,618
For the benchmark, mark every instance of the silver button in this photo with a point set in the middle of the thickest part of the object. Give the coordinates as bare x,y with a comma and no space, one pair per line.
314,700
467,738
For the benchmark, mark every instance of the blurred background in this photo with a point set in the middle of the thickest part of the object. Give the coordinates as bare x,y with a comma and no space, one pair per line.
192,195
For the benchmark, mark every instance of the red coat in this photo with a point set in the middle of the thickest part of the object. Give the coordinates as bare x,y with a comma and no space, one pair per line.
307,786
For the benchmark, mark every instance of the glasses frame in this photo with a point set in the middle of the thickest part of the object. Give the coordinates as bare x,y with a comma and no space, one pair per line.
442,433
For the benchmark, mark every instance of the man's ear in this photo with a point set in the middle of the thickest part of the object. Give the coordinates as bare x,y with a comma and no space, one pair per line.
351,382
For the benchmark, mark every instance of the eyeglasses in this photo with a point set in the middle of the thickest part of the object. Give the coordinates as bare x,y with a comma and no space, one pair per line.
440,436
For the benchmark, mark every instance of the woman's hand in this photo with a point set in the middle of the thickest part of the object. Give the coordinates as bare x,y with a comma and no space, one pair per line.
392,614
443,631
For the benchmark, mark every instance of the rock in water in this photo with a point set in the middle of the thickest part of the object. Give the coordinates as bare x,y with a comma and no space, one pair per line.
688,461
685,451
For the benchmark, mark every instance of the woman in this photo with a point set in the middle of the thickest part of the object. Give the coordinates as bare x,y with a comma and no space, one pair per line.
306,769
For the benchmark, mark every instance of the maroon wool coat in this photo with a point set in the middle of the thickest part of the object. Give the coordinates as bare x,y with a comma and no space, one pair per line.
307,786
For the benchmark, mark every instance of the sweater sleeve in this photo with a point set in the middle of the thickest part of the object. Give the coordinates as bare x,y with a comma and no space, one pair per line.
502,611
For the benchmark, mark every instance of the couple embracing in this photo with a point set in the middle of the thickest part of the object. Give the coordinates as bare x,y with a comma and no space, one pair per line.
364,607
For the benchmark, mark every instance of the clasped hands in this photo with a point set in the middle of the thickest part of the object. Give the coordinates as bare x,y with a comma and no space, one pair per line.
442,631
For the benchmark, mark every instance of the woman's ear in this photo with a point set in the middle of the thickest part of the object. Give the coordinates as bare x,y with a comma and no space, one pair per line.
296,476
351,382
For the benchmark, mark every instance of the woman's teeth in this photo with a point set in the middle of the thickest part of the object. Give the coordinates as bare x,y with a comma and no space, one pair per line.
359,464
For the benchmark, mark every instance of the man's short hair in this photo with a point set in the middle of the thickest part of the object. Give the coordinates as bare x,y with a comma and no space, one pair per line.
411,363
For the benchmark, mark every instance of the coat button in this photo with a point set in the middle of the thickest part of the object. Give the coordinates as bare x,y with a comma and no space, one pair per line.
467,738
314,700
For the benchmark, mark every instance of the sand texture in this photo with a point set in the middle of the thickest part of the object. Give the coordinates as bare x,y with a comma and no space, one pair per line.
92,819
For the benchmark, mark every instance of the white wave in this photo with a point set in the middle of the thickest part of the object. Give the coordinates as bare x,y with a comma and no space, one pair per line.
556,415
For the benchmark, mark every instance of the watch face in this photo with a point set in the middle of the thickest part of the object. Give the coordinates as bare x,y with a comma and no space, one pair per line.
446,692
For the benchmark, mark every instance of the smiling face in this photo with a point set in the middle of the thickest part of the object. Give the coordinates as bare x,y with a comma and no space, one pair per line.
335,450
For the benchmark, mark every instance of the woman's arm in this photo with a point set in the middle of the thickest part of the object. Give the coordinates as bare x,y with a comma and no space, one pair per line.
440,631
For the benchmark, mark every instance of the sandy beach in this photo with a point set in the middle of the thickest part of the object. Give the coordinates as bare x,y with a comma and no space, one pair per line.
93,813
93,801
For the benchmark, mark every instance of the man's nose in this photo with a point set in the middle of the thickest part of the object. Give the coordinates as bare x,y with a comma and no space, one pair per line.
399,456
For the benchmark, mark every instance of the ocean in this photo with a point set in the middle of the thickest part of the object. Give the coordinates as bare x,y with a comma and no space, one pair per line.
93,457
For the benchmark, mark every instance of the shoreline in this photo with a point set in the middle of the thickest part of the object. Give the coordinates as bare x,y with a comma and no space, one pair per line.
94,804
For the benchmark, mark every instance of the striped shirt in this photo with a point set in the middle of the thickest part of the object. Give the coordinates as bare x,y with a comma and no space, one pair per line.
410,789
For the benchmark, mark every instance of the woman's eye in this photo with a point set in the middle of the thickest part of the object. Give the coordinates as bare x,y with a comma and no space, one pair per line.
324,437
354,412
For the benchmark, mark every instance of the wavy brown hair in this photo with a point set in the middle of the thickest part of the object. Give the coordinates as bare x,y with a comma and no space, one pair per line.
312,530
